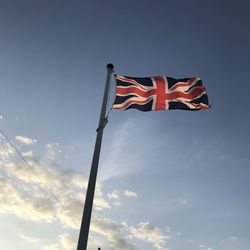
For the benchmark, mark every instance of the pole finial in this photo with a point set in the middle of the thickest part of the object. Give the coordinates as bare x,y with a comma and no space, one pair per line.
110,66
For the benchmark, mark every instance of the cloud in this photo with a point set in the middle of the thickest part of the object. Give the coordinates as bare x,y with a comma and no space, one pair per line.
25,195
30,157
68,242
183,201
112,231
79,181
65,242
52,247
20,118
205,247
130,194
113,195
112,234
154,235
29,239
1,117
100,204
25,140
5,151
28,154
53,150
229,241
20,203
234,239
124,144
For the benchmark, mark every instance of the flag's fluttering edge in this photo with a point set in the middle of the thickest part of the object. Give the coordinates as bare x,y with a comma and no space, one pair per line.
160,93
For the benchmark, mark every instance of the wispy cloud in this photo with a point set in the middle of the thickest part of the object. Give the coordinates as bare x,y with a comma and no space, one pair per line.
123,146
29,239
24,196
112,231
53,150
154,235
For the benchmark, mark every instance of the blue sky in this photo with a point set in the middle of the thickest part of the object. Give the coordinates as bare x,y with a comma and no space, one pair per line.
168,180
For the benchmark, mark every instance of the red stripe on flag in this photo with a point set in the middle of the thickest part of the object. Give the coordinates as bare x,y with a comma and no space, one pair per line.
160,92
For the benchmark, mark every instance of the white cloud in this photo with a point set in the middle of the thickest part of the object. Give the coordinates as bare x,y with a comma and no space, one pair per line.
154,235
229,241
5,152
1,117
53,150
205,247
19,118
79,181
67,242
190,242
29,239
28,154
130,194
30,157
112,231
119,147
52,247
234,239
14,200
113,195
100,204
24,195
25,140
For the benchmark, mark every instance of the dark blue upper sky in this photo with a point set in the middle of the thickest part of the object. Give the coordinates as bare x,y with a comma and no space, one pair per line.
52,71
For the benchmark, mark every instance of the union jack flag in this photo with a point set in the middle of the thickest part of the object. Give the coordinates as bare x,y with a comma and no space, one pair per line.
160,93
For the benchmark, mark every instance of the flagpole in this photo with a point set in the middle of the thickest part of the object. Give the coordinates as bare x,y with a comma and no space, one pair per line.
86,217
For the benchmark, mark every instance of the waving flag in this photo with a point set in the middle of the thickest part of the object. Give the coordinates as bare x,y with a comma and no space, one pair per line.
160,93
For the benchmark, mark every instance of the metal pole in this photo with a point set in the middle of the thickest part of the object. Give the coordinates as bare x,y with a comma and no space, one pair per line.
84,230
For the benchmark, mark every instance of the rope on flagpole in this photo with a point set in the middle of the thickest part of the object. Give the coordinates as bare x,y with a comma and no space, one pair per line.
113,98
109,107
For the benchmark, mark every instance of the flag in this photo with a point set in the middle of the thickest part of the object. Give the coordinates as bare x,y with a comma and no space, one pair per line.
160,93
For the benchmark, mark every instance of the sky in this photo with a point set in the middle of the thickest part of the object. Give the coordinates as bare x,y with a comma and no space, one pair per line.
167,180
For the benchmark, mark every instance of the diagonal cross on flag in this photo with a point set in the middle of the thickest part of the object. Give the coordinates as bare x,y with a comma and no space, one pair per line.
160,93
